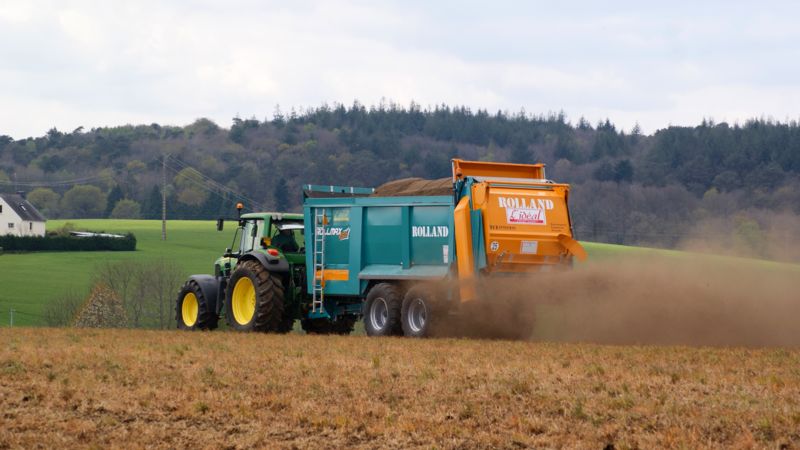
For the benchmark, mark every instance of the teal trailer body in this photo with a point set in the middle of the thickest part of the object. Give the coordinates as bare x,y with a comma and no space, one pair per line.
494,220
378,238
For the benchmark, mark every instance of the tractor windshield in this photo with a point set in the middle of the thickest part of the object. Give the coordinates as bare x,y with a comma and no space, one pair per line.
251,235
288,236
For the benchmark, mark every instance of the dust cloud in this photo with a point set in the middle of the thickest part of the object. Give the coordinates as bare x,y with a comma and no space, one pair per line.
682,300
774,236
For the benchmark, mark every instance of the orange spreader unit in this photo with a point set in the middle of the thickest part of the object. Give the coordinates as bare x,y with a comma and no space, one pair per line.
524,218
525,225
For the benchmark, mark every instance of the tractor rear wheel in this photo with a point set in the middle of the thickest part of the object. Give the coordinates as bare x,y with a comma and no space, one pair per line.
192,309
382,311
255,299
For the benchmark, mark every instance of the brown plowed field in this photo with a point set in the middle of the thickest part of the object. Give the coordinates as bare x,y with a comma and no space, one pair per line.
71,388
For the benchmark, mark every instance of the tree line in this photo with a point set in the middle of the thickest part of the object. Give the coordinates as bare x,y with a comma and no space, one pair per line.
628,187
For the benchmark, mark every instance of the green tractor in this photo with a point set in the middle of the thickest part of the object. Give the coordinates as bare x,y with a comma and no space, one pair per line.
259,286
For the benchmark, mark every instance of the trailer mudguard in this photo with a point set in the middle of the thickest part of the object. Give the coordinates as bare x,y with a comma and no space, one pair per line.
272,263
209,286
572,246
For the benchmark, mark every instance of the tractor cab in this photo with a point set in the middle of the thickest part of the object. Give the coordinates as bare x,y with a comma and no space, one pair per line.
285,235
261,231
273,235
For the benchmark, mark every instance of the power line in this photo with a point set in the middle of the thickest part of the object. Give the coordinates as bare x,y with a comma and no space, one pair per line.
207,183
199,183
56,183
215,183
212,190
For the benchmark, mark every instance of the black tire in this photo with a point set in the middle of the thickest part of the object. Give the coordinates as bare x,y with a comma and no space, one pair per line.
315,326
287,322
204,319
419,312
268,313
343,325
382,311
289,314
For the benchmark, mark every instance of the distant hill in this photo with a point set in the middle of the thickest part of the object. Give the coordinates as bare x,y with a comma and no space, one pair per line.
630,188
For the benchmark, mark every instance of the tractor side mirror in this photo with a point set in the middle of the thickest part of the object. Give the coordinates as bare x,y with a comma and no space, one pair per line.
220,224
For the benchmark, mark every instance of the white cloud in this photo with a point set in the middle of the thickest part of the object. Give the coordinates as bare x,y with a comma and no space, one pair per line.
106,63
16,12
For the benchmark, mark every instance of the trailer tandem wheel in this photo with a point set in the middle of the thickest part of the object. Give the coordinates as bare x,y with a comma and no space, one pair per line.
419,311
382,311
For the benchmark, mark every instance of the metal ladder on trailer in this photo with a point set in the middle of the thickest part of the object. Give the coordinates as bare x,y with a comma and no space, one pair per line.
318,291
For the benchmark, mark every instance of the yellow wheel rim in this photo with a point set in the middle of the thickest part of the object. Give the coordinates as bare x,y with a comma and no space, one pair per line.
243,301
189,309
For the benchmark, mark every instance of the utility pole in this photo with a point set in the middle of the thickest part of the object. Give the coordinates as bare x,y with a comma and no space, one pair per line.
164,198
11,320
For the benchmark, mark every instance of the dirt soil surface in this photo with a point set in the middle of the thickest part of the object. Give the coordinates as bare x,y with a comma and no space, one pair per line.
70,388
415,186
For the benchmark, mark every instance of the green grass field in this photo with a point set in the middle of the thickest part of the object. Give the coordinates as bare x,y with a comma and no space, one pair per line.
31,280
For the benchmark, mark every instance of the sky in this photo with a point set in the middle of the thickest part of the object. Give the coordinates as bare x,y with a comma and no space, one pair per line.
67,64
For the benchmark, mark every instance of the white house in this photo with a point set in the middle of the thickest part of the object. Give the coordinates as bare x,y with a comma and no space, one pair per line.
19,217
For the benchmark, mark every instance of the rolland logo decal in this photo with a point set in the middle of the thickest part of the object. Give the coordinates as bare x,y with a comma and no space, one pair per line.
429,231
523,211
525,203
342,233
525,216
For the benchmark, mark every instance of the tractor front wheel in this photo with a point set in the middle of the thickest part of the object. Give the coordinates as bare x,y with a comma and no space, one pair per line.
255,299
192,309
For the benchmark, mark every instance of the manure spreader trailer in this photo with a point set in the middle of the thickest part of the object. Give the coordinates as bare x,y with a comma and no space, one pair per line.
401,256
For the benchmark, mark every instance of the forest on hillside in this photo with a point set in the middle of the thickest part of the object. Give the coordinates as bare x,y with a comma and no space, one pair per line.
725,187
